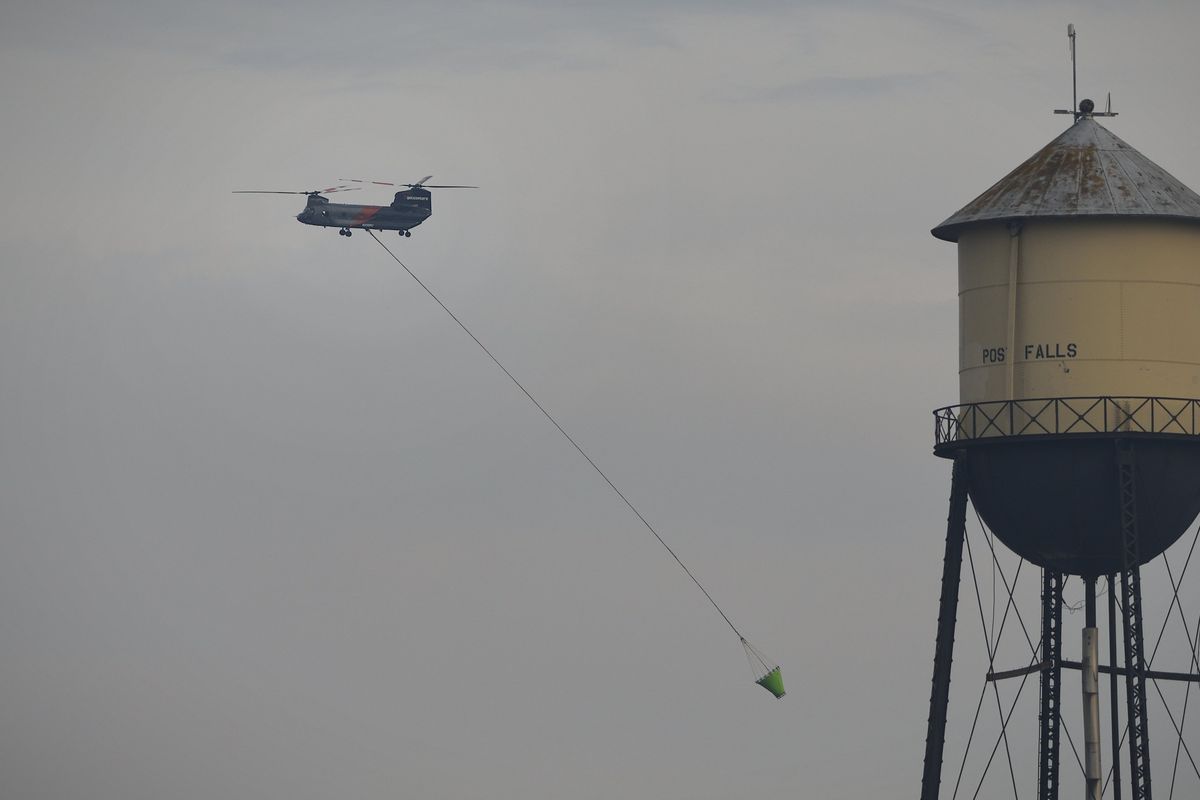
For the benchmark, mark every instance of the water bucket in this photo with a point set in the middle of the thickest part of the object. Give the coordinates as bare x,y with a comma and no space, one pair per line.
773,682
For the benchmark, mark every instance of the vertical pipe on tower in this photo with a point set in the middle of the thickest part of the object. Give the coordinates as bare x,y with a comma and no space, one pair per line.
1091,695
939,698
1114,712
1014,273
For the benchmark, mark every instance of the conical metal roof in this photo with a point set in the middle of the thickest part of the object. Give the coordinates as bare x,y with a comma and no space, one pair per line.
1085,172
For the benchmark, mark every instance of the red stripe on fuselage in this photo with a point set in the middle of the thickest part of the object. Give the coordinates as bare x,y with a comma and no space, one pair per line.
366,214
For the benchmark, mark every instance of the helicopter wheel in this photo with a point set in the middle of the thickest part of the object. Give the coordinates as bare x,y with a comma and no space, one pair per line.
344,232
408,233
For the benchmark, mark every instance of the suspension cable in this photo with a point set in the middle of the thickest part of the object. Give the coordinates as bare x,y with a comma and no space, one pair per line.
1003,727
967,749
1034,649
1009,589
1161,632
1187,693
1177,605
561,430
987,534
1175,725
1011,604
1074,750
1175,592
991,662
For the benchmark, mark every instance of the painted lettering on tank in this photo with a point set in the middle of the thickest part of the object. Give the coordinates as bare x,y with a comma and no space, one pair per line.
1051,350
993,355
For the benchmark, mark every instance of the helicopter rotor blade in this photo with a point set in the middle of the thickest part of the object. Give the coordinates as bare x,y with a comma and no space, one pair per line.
421,184
360,180
330,190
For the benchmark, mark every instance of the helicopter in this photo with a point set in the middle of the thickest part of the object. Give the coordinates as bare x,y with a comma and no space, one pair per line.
411,206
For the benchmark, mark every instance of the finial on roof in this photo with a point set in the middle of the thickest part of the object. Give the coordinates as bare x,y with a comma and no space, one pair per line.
1084,108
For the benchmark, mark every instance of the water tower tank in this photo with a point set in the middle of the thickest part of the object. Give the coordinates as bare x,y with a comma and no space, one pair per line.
1079,330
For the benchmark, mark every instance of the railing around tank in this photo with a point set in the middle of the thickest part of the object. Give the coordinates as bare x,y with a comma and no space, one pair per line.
1057,416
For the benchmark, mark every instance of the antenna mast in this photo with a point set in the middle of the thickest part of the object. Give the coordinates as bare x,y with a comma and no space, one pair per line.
1085,108
1074,91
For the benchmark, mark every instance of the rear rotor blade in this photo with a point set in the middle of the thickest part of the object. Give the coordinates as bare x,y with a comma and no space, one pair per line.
330,190
360,180
421,184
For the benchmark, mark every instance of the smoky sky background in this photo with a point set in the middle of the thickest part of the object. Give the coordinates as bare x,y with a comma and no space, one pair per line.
273,527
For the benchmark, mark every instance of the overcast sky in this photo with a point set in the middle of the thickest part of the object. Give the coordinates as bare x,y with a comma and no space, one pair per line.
271,526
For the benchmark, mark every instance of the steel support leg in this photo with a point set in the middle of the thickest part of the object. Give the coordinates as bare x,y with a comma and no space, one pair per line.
1135,651
1112,689
1051,685
939,698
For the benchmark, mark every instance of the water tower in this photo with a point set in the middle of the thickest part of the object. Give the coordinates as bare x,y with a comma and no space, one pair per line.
1077,431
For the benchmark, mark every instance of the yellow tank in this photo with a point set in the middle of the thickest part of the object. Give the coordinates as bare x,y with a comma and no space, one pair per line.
1079,284
1066,308
1078,274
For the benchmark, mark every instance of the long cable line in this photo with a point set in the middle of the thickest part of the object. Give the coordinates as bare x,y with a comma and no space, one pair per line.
991,652
561,430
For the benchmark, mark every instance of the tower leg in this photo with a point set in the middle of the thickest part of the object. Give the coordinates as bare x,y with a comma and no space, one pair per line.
1051,685
939,698
1135,651
1112,688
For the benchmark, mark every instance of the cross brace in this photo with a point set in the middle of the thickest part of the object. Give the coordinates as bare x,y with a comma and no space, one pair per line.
1104,669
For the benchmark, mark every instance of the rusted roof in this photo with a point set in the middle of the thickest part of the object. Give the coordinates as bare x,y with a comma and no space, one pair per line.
1085,172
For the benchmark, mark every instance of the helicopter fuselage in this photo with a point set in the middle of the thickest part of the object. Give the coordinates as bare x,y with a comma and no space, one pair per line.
409,210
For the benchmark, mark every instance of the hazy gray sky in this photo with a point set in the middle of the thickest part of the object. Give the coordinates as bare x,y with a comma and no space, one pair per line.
273,527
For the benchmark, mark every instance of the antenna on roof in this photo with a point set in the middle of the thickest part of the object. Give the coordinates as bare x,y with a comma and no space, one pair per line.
1082,108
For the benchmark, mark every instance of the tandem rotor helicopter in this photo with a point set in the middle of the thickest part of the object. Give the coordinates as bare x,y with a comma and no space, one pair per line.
409,209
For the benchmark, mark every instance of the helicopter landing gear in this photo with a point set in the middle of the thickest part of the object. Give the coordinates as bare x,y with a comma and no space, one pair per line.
406,233
344,232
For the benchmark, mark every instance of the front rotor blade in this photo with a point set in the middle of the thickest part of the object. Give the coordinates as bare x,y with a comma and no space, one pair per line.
264,191
443,186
